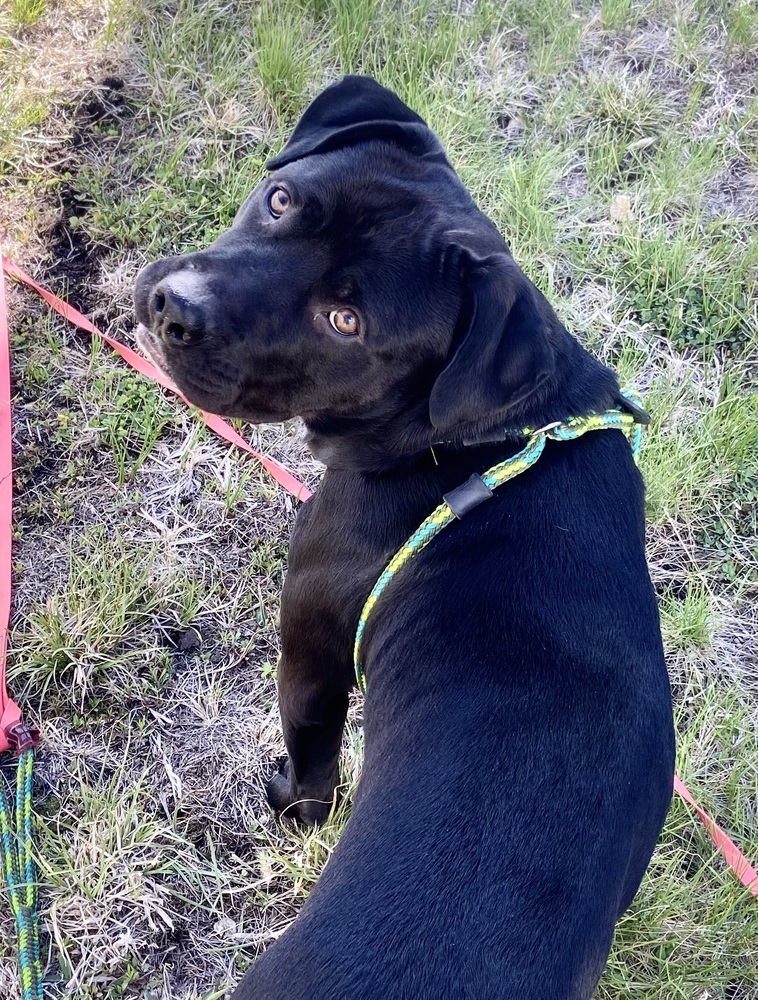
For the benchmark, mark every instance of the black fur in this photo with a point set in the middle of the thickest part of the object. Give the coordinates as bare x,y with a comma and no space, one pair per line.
518,730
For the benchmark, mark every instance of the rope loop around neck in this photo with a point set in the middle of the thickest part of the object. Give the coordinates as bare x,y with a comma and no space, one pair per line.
569,430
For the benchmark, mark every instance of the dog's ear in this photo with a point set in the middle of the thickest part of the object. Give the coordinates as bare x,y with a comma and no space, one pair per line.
503,351
353,110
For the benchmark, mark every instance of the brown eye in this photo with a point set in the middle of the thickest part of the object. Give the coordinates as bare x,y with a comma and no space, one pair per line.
278,202
344,321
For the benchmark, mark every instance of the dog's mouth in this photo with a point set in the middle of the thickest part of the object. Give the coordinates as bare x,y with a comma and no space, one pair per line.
202,393
150,346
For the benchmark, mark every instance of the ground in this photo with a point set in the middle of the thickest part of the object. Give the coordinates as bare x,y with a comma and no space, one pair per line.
616,145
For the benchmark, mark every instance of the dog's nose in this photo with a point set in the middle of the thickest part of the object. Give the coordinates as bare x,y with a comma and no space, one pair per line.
177,308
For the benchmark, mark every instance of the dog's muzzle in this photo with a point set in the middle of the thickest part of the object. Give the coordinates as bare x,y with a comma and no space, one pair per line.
177,308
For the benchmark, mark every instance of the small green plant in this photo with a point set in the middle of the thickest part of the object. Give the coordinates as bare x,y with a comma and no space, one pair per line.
687,288
551,29
631,105
281,52
25,13
741,22
132,416
352,22
618,15
93,636
686,619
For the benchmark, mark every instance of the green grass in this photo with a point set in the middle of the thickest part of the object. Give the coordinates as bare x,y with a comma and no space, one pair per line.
741,22
25,13
281,44
686,620
148,560
619,15
95,638
131,420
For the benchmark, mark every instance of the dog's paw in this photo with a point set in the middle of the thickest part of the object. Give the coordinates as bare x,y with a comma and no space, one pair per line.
278,790
281,798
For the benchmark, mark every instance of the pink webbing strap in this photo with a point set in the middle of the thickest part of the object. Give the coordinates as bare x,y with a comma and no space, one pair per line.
732,854
10,713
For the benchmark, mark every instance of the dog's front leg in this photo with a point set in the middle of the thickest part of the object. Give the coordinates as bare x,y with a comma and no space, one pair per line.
313,716
312,721
321,602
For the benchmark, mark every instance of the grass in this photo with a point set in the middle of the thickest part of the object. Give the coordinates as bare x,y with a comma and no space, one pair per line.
25,13
86,643
616,146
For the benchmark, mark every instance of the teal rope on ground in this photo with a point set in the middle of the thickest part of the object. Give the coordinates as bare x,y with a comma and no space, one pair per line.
17,865
571,429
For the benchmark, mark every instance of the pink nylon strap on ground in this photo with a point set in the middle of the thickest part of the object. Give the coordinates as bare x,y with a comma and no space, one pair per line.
732,854
9,711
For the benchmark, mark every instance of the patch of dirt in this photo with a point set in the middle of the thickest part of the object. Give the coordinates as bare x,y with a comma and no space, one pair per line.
74,260
734,192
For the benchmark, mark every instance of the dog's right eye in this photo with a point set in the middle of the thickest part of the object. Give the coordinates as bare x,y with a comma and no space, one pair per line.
278,202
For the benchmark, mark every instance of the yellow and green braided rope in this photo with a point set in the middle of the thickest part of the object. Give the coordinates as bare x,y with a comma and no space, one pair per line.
573,428
17,865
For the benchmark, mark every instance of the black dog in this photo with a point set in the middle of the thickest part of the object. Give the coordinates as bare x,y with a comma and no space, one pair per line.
518,727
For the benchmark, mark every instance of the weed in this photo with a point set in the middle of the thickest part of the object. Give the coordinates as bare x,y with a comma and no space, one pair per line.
619,15
131,418
686,620
25,13
87,642
741,22
685,286
352,22
281,52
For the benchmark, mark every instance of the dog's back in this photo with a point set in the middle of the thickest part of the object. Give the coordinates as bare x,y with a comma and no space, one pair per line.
519,753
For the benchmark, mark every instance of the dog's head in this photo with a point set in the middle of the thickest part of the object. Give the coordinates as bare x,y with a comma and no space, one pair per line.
358,287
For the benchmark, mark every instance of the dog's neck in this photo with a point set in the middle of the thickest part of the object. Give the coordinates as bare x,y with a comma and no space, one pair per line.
375,443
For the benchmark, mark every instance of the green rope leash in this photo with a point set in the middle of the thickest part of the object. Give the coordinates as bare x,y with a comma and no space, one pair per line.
17,865
573,428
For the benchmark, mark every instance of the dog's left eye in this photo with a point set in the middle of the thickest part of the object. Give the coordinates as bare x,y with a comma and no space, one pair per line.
344,321
278,202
